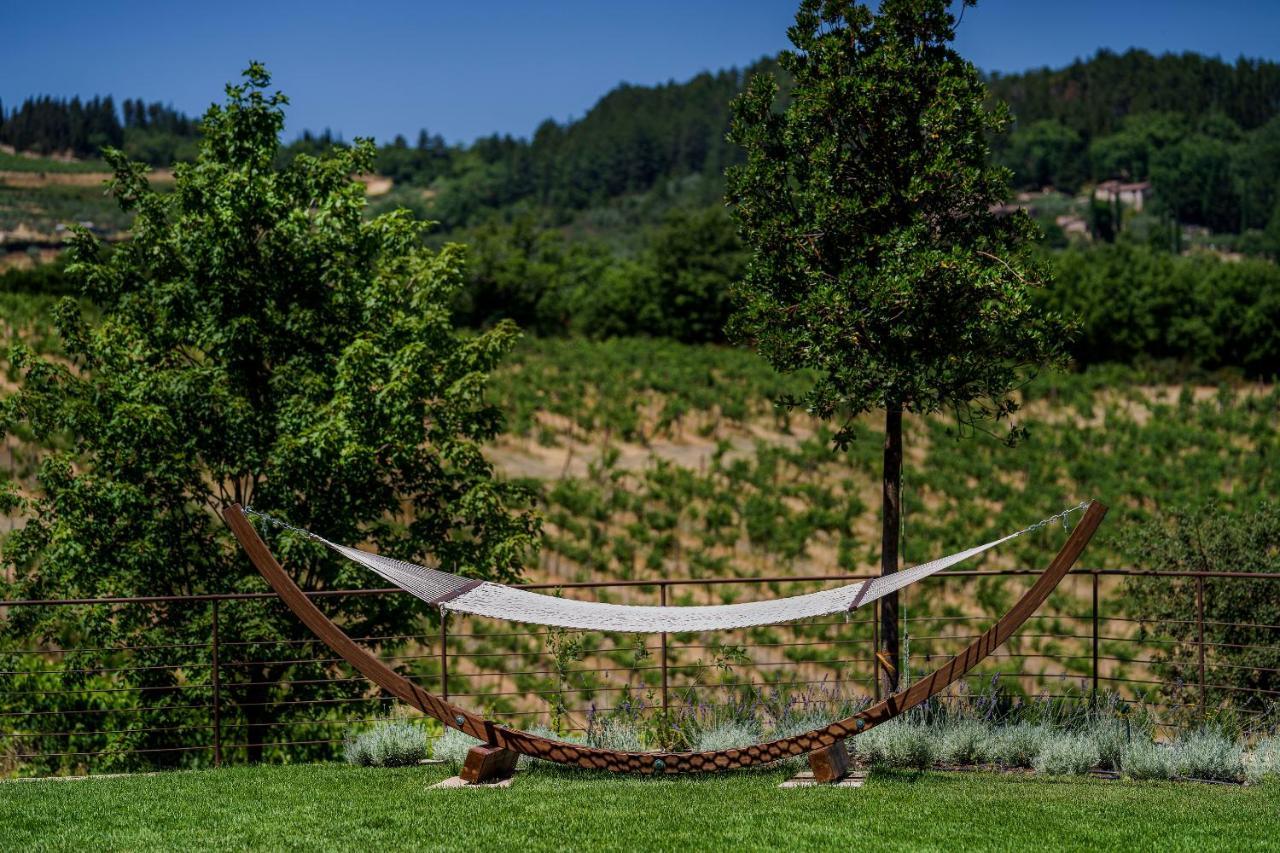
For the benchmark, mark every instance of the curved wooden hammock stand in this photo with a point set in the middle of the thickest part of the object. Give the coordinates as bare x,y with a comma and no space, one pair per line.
823,745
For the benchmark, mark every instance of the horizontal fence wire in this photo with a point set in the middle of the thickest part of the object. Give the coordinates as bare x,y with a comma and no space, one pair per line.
126,706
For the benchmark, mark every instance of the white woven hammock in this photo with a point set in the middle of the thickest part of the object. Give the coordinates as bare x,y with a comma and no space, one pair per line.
453,592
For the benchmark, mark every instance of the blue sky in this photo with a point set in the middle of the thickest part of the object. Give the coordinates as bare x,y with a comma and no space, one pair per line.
469,69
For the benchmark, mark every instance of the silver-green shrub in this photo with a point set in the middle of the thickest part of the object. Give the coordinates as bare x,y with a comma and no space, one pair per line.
1066,754
900,743
962,743
355,750
1016,745
869,746
1111,736
615,733
798,724
1262,763
730,734
1208,754
452,746
390,743
1142,759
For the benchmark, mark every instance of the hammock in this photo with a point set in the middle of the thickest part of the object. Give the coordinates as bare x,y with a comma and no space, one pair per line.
499,739
452,592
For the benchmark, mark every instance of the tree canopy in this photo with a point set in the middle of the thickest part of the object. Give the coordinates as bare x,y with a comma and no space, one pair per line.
878,257
258,341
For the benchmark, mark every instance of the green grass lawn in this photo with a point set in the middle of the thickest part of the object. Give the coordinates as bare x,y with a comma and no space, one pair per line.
331,806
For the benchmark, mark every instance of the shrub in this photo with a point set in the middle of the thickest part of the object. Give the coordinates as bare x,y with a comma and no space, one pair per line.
1208,755
730,734
1262,763
962,743
615,733
1212,536
390,743
1142,759
452,746
1110,736
1198,310
869,746
1016,745
900,743
1067,754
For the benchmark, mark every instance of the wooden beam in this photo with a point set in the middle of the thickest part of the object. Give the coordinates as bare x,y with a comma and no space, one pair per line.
486,763
831,763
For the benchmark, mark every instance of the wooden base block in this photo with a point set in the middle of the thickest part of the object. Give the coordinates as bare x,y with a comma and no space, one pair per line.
488,764
804,779
831,763
457,782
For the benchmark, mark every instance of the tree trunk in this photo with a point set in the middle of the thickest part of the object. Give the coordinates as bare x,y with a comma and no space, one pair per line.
256,716
891,510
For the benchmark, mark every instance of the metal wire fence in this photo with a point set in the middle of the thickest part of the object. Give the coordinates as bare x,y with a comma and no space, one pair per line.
67,708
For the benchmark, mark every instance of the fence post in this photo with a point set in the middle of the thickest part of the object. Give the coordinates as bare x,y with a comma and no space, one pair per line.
875,647
662,600
217,690
1200,638
1093,699
444,654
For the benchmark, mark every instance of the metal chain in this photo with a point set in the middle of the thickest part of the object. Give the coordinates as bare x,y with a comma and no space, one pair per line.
1059,516
284,524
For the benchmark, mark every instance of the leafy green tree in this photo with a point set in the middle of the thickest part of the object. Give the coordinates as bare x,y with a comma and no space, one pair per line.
258,340
696,259
1257,168
1120,155
1127,152
1093,96
877,258
1271,236
1045,153
1242,663
1135,303
1193,180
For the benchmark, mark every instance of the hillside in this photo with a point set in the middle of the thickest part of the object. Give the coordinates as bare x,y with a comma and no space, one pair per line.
655,460
1094,96
661,461
656,452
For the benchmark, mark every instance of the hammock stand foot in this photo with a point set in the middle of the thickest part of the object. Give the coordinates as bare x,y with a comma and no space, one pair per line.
486,763
829,764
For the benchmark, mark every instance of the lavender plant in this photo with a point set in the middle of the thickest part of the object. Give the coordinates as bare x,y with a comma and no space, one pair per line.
1208,754
452,746
1262,763
389,743
729,734
962,743
1066,754
1016,745
1142,759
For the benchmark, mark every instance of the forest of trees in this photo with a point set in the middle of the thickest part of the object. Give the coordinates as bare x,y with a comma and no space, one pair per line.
153,133
1205,133
615,224
1094,96
632,139
47,125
